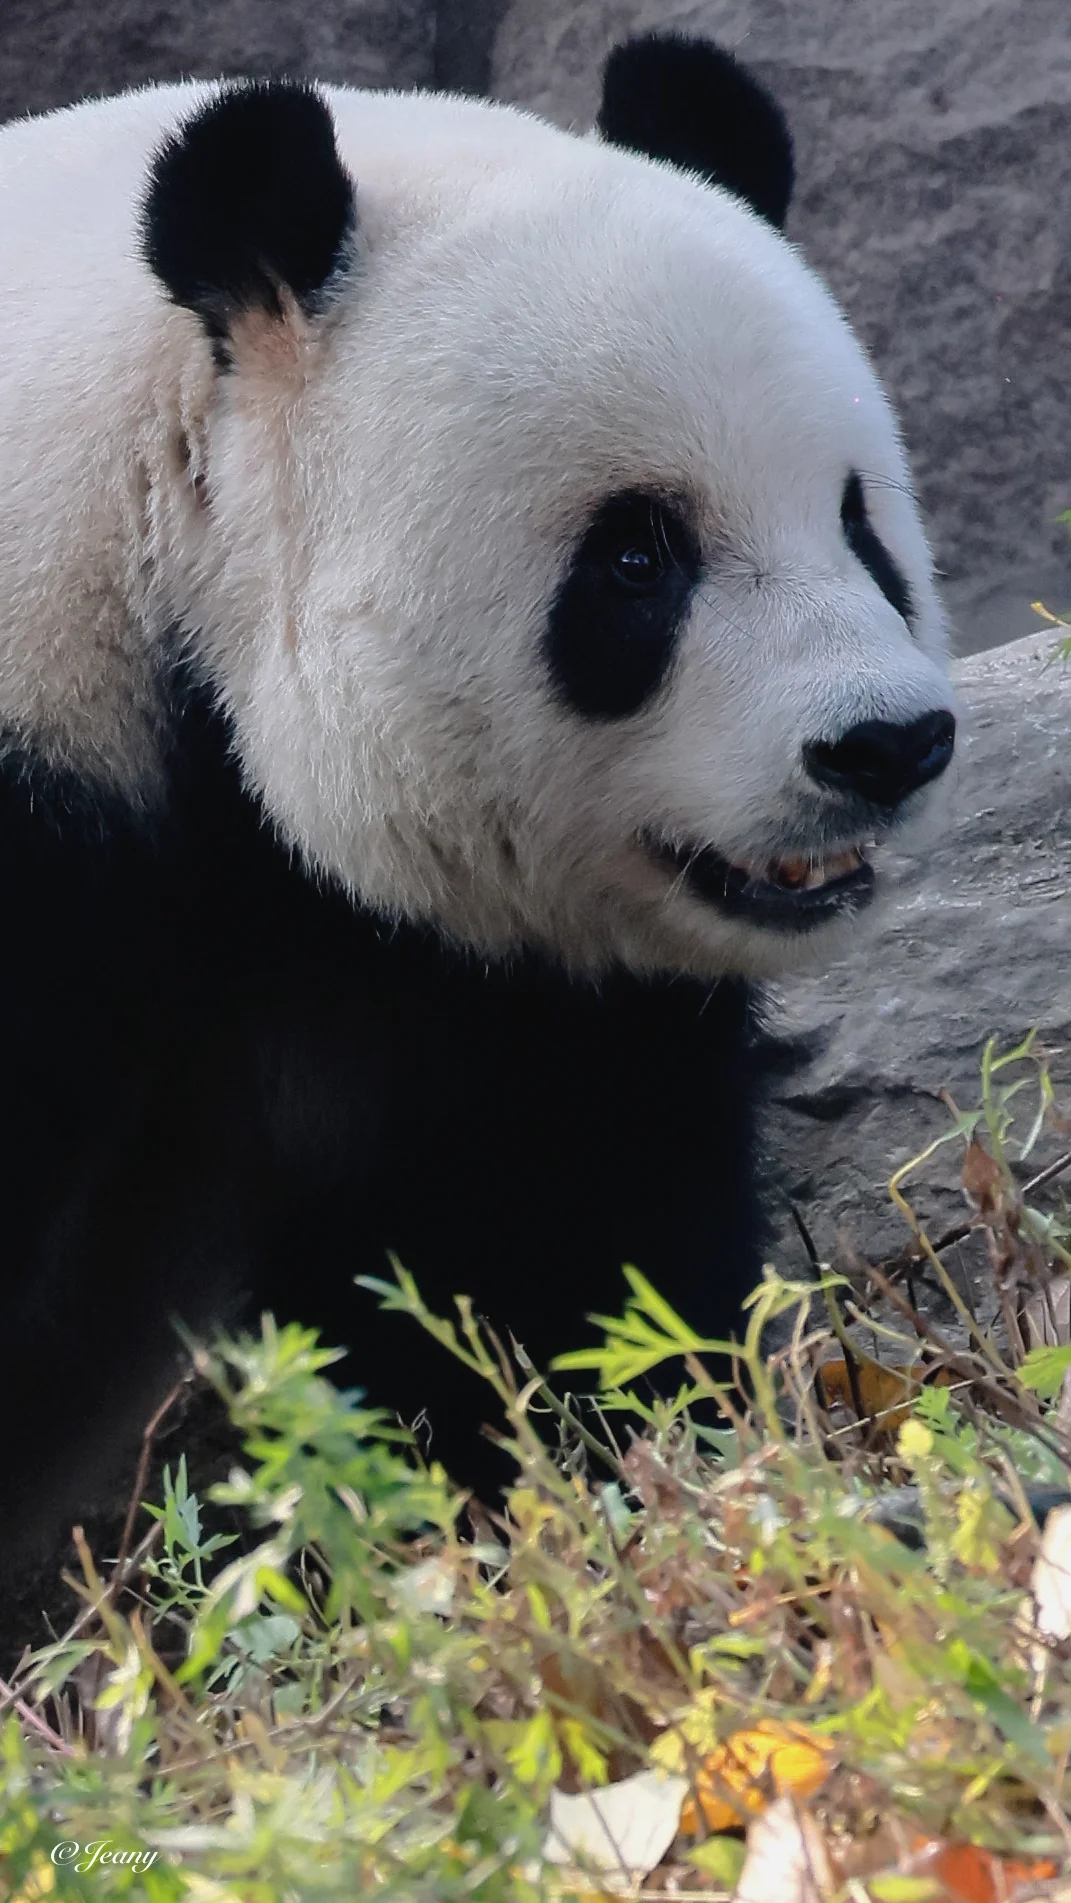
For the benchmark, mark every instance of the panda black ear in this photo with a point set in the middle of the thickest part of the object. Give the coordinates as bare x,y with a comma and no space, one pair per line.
249,199
687,101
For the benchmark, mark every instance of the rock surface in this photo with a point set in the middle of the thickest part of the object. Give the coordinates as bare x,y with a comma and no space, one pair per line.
975,942
53,52
934,148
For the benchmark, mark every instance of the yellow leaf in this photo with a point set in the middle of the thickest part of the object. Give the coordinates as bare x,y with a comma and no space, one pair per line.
914,1442
538,1606
1039,608
899,1889
39,1884
971,1544
528,1510
695,1735
821,1678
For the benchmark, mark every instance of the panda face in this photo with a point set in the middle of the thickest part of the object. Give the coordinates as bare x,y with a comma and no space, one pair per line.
598,561
558,562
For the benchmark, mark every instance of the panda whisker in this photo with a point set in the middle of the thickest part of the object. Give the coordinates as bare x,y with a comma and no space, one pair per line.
715,602
874,479
709,998
676,885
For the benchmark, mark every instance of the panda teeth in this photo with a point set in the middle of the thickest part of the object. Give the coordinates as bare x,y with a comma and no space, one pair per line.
796,874
788,872
794,893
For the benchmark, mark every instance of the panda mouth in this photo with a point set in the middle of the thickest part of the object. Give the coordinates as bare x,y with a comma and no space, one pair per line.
796,892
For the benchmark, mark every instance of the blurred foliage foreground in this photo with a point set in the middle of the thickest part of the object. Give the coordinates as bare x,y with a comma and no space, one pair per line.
819,1653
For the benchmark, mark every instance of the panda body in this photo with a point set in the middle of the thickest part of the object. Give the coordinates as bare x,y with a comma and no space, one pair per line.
461,628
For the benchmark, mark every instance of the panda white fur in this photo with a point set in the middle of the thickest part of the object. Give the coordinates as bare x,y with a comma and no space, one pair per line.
464,619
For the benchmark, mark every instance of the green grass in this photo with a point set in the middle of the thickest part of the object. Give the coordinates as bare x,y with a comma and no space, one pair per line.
369,1696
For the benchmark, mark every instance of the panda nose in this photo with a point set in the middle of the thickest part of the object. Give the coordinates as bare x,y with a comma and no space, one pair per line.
881,760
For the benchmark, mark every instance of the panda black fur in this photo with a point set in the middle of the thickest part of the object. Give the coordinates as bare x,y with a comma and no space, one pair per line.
464,612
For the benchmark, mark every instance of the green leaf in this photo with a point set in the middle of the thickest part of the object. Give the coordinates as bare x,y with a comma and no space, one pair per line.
538,1605
648,1300
992,1063
648,1332
721,1858
590,1761
530,1747
981,1683
1044,1368
736,1645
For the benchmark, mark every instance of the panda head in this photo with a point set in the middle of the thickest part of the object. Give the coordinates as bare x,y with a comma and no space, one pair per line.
553,549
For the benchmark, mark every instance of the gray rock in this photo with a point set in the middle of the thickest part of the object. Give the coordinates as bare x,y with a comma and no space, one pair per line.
53,52
974,942
464,38
934,148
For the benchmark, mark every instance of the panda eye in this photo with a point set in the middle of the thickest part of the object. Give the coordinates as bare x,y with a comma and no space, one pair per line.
639,567
622,602
636,544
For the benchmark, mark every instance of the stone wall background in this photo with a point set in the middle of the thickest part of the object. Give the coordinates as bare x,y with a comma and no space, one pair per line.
934,159
934,149
53,52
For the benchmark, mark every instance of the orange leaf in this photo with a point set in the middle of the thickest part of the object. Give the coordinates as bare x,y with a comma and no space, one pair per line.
753,1768
970,1875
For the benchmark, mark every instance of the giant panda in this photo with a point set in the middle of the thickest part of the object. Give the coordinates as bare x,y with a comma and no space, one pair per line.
465,626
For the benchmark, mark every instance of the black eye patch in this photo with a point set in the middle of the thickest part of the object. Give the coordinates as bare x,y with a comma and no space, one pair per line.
615,620
867,546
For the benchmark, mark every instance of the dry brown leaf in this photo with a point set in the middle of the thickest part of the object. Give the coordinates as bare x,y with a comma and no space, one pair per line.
429,1586
1051,1584
786,1860
1045,1318
982,1180
621,1831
